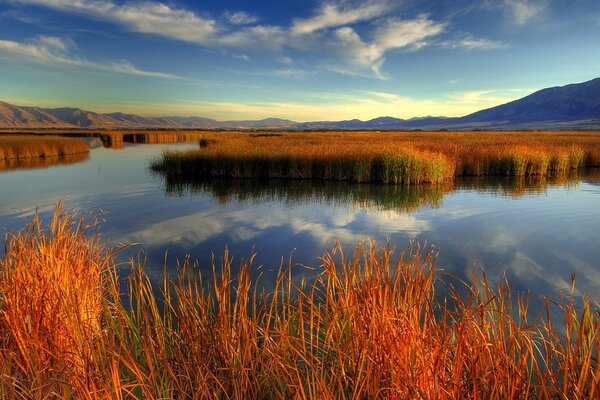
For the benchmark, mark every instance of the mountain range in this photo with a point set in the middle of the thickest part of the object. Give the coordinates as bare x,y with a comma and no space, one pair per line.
575,106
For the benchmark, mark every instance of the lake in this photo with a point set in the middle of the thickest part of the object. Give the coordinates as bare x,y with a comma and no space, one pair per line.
536,232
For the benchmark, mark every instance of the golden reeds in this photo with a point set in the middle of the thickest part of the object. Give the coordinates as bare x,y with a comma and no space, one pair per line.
29,146
369,325
398,158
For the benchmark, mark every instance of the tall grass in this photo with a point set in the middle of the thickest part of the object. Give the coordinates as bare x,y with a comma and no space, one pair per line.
398,158
402,167
368,326
30,146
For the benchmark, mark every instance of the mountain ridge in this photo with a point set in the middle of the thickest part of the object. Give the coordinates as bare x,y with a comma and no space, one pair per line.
573,106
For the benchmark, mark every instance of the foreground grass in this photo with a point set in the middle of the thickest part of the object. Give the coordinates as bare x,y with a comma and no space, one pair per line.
399,158
23,147
366,327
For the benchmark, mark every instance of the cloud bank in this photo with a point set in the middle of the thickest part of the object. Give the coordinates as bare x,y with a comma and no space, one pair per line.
346,36
54,50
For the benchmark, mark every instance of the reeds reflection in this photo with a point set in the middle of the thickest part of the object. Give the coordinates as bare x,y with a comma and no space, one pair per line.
117,140
367,196
372,196
42,162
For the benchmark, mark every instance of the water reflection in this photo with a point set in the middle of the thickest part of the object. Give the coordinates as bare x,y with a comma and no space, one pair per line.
117,140
537,231
42,162
366,196
294,192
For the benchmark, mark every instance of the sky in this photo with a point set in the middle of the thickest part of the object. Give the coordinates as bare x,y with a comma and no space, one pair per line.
302,60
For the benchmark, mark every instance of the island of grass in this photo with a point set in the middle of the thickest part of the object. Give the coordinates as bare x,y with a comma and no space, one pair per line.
387,157
26,147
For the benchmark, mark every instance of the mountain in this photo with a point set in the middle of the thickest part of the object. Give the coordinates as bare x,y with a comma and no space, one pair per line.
27,117
575,106
557,104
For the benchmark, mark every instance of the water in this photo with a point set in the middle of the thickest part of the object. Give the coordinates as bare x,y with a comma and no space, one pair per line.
537,233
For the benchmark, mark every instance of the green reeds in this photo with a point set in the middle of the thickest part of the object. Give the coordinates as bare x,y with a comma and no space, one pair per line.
369,325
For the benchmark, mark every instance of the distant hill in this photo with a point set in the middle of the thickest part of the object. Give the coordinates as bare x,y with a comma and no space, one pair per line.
27,117
575,106
575,102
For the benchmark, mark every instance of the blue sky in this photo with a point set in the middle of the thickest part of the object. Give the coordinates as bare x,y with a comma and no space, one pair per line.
297,59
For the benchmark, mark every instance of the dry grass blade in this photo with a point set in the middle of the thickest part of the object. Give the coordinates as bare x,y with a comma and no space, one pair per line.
368,326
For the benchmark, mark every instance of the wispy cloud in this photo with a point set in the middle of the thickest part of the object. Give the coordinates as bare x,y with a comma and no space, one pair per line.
146,17
484,98
389,35
332,15
524,11
54,50
469,42
261,37
345,36
240,18
293,73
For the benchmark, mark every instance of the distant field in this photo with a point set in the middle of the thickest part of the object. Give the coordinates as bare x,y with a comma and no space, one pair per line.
389,157
23,147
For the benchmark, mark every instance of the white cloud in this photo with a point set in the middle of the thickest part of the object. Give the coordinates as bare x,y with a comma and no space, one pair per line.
146,17
469,42
263,37
293,73
240,18
389,35
330,35
523,11
331,15
54,50
285,60
485,98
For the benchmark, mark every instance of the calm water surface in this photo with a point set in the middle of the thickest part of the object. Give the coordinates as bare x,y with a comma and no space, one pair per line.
537,234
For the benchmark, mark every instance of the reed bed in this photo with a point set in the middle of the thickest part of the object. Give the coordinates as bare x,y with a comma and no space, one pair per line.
398,158
368,326
20,147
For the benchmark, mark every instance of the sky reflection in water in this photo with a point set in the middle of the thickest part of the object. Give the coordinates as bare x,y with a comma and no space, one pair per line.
539,233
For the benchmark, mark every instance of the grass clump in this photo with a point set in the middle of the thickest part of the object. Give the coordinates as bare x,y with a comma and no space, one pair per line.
394,158
26,147
368,325
403,167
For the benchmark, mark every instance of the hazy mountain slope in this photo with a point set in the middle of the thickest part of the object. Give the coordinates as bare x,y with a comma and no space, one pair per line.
557,104
27,117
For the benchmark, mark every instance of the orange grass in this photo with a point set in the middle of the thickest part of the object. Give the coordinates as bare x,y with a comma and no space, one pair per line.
365,327
390,157
25,147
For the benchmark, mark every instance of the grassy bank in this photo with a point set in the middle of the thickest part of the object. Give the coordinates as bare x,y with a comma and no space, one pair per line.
366,327
21,147
399,158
